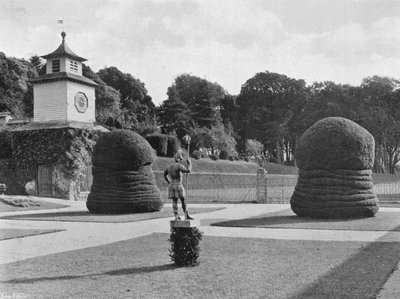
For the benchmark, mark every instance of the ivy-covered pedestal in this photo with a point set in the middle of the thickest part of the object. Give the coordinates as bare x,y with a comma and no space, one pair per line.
185,241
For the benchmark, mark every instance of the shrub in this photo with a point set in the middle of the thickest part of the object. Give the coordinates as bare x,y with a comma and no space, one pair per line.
123,180
196,154
231,158
173,145
159,142
223,155
185,246
335,157
213,157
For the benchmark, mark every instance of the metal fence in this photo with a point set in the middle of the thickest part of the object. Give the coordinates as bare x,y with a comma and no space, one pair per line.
257,188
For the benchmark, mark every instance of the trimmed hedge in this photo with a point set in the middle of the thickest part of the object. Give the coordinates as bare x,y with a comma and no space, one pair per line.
335,157
165,145
159,142
123,181
173,145
185,246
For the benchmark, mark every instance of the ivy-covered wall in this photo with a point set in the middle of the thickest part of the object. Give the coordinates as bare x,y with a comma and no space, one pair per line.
68,150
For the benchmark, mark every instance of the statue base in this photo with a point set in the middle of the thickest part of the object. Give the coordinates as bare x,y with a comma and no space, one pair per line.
184,223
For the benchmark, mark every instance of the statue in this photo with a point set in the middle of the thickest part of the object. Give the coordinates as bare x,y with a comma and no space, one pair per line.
173,176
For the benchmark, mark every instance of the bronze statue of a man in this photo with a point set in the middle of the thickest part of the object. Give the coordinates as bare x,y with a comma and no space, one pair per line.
173,176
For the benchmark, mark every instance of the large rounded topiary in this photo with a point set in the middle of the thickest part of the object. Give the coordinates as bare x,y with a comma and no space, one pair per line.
123,180
335,157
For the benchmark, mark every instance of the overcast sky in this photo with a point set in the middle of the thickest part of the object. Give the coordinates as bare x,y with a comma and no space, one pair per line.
224,41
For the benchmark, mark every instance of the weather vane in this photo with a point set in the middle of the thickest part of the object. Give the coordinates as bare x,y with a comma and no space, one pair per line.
61,21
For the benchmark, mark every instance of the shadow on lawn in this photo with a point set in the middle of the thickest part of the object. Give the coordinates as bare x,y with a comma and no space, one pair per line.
361,276
385,221
126,271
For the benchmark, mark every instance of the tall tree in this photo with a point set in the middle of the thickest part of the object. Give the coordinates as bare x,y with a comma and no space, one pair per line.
136,105
108,100
16,95
264,110
175,117
201,97
381,103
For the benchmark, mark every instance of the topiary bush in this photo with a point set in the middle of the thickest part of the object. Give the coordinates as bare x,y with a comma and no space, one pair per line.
159,142
335,157
123,180
173,145
185,246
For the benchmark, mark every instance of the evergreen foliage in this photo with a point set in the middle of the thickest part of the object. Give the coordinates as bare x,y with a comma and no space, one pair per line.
16,95
173,145
159,142
335,157
71,153
185,246
123,180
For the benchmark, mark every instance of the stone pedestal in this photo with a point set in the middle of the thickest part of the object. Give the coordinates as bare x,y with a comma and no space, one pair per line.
184,223
185,242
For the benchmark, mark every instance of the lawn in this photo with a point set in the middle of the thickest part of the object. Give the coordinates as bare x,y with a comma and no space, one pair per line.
383,221
85,216
229,268
226,166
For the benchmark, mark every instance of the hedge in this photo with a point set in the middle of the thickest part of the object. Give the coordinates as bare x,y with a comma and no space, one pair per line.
335,157
123,181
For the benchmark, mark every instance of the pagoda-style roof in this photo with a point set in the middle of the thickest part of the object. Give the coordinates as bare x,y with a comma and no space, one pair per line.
63,51
59,76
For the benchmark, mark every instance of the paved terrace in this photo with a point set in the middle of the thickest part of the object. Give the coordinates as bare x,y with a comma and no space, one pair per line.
77,235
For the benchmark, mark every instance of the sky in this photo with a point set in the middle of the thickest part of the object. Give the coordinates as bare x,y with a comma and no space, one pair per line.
223,41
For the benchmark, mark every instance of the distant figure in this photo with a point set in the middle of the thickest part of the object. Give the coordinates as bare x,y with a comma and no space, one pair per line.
173,176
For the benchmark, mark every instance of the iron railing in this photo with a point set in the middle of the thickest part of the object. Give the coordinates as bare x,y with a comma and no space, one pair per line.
258,188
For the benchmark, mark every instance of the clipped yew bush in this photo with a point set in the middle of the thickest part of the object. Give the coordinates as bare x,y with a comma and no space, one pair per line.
123,180
173,145
335,157
159,142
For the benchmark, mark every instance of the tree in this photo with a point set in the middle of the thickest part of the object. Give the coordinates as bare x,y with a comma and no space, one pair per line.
254,148
175,117
201,97
38,64
138,110
264,110
108,100
16,93
213,140
381,102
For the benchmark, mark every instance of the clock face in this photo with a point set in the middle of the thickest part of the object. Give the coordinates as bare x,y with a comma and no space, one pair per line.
81,102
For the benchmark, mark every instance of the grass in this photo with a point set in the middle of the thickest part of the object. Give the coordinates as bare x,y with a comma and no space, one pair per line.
12,233
85,216
226,166
383,221
229,268
5,207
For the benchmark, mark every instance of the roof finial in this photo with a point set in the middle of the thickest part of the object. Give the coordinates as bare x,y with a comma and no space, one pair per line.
63,34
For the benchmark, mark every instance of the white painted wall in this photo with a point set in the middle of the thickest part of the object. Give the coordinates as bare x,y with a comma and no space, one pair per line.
50,101
72,112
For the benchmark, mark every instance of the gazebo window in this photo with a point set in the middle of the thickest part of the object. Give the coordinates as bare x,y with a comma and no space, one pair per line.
55,66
